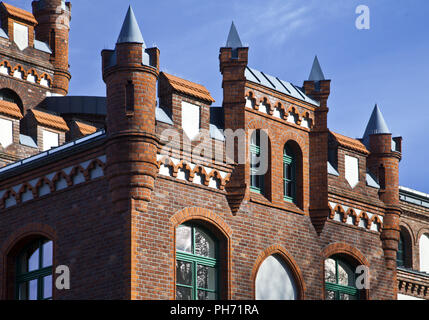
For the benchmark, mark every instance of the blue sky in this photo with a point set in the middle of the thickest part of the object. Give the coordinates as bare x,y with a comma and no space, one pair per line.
387,64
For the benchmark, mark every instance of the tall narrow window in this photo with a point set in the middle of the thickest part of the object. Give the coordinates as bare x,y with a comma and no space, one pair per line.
52,42
129,96
289,175
256,179
400,256
196,264
340,283
34,271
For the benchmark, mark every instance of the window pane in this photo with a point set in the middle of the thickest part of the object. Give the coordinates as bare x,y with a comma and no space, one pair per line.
47,254
33,260
28,290
47,287
184,272
32,294
184,239
330,271
204,244
345,275
329,295
344,296
204,295
206,277
183,293
23,291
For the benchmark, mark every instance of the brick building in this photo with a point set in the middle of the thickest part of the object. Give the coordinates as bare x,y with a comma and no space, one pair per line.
152,192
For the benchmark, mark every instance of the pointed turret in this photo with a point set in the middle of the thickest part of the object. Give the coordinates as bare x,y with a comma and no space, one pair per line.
316,73
53,27
383,163
233,60
233,40
376,125
130,32
319,89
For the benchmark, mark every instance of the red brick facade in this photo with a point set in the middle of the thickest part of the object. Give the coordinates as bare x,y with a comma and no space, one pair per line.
111,203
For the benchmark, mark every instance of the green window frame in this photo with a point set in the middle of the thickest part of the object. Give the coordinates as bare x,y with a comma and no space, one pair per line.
400,255
203,270
335,289
256,181
289,175
34,271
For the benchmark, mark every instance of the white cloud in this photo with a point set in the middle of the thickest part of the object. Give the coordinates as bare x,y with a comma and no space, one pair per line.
278,20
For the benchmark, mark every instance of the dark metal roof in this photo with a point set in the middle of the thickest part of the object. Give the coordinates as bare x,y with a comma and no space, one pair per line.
420,273
77,105
233,40
277,84
52,155
130,31
376,124
316,73
42,46
414,197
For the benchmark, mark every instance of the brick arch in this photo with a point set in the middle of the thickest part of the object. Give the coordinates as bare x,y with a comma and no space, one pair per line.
75,171
350,253
352,213
256,124
9,193
7,65
298,154
422,231
13,245
24,188
21,69
346,249
404,226
409,243
338,208
220,228
290,262
58,176
288,135
33,72
94,163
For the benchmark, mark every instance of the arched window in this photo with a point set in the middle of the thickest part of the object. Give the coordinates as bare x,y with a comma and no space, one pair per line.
197,265
340,282
424,252
289,174
34,271
11,96
260,162
275,281
400,255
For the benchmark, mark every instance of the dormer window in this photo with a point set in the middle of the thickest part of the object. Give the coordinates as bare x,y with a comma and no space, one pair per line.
6,132
20,35
50,140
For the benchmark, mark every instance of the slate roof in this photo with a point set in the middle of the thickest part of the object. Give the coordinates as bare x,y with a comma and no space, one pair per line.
376,125
316,73
277,84
130,31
